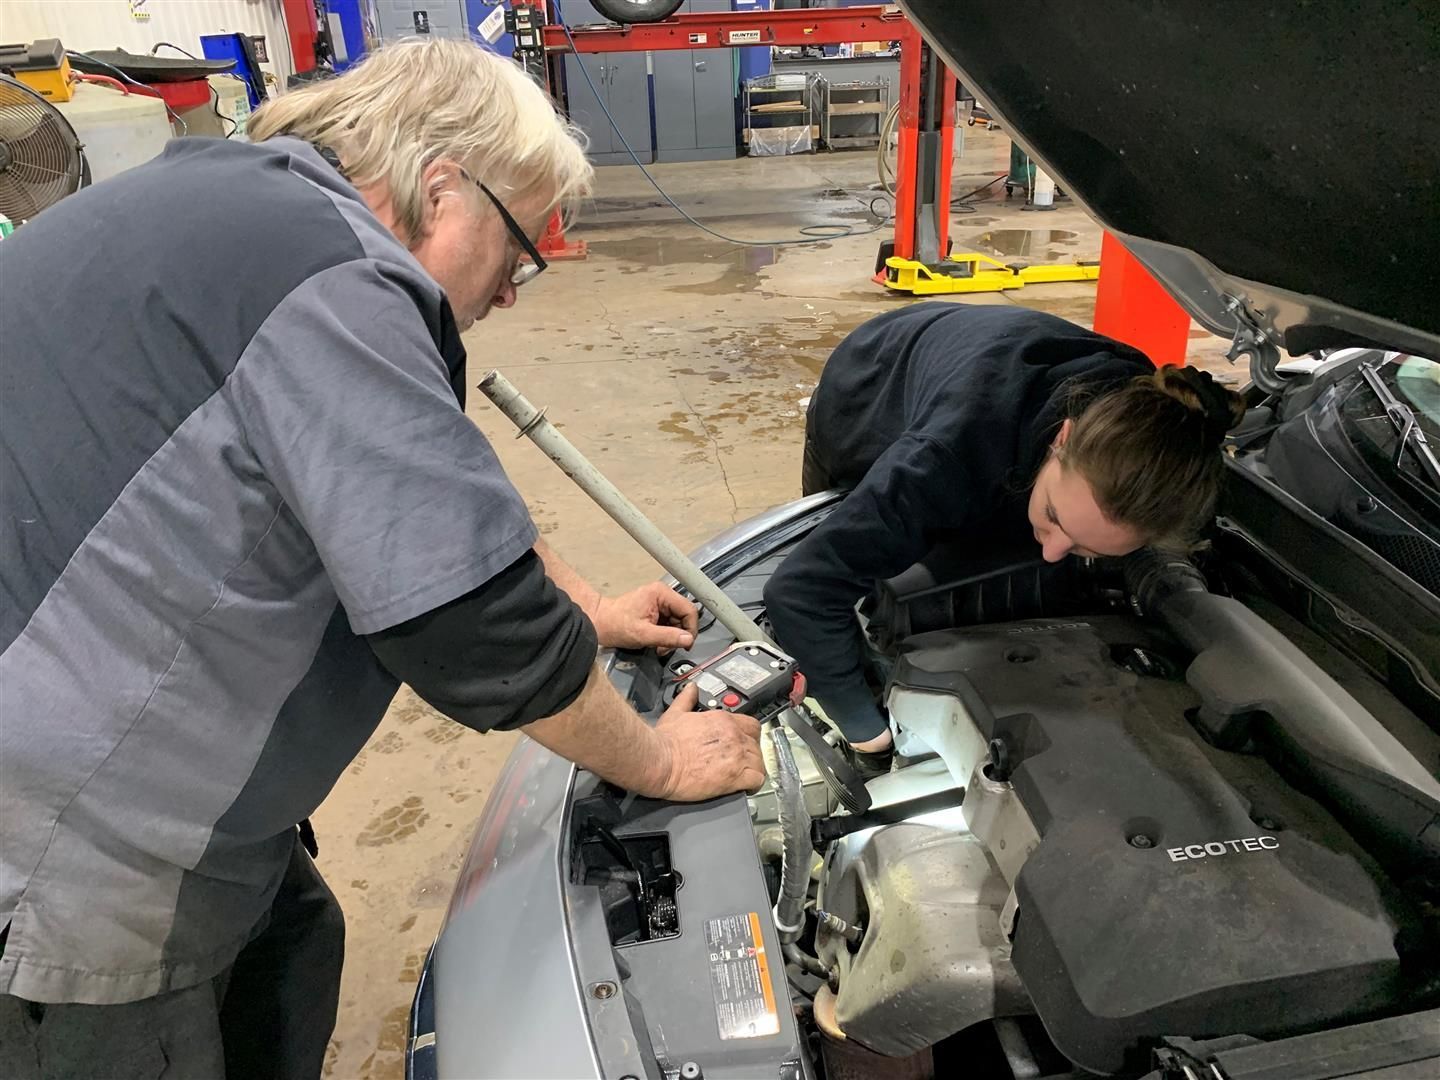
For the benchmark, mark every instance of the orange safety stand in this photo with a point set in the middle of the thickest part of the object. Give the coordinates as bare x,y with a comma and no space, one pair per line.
555,247
1131,306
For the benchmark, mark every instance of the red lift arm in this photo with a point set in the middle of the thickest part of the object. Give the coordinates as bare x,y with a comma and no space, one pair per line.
927,95
727,29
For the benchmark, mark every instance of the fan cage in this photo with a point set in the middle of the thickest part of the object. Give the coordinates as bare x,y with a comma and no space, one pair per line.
40,157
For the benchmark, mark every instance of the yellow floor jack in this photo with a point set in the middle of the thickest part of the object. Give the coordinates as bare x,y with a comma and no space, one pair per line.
971,272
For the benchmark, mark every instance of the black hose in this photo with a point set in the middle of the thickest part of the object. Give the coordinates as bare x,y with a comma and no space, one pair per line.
805,962
1256,685
826,831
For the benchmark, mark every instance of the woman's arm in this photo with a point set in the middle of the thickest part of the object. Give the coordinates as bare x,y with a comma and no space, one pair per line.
879,530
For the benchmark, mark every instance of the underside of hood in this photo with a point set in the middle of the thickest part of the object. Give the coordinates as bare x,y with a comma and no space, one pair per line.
1275,164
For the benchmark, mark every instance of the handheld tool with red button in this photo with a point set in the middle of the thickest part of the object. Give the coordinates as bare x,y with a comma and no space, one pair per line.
757,679
750,677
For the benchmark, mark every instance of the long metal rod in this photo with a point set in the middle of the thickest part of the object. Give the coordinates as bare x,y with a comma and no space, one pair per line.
531,421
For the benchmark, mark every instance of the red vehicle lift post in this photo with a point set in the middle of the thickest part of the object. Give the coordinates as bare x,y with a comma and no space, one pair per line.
1131,306
927,95
301,26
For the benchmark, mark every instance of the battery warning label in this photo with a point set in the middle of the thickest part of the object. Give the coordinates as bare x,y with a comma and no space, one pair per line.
740,977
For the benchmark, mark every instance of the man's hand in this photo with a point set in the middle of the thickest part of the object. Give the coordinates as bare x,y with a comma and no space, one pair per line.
708,753
651,615
688,756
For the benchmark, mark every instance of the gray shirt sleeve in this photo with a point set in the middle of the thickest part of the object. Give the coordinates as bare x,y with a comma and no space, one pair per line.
346,403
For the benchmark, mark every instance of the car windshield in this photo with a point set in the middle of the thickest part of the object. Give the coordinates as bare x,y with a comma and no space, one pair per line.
1400,416
1416,381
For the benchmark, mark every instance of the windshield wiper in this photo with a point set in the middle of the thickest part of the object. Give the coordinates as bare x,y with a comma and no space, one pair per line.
1402,418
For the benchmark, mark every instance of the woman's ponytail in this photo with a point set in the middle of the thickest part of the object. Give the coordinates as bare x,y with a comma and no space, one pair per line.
1198,391
1151,451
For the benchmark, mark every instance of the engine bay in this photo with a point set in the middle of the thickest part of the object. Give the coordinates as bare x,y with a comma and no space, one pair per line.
1146,844
1160,885
1141,817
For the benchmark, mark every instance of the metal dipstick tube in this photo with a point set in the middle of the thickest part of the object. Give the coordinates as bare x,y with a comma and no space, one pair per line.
531,421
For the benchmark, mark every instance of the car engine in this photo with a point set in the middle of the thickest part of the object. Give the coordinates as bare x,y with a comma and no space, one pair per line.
1130,815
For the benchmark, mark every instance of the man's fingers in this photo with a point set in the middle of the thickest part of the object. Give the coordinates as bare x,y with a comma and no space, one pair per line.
675,607
752,780
668,637
688,698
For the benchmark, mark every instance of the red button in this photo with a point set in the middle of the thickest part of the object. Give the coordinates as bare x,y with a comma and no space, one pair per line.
730,700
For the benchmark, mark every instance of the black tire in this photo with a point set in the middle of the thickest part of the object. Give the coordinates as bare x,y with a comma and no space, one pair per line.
636,11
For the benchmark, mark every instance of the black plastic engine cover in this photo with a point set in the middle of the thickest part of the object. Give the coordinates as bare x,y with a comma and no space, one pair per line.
960,584
1177,889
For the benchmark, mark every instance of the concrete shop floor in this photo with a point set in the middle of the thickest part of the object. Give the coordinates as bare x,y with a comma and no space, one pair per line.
681,365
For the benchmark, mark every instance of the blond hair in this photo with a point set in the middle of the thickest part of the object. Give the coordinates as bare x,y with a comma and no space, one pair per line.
1151,451
414,102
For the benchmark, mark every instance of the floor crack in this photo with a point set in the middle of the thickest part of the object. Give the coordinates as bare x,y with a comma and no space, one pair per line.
719,460
699,420
610,323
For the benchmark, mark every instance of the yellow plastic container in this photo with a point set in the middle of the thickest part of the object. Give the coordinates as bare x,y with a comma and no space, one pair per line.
51,83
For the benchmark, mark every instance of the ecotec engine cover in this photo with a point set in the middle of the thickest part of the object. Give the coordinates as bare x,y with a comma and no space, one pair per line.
1177,889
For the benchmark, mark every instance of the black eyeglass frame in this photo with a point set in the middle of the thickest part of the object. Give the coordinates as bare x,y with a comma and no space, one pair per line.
523,272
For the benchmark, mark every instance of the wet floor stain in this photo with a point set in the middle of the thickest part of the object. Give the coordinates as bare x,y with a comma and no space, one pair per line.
393,1030
447,731
389,743
672,263
410,973
679,424
1024,243
394,824
647,252
407,708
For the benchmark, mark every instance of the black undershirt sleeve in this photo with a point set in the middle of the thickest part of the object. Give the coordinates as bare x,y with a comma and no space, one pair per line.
516,649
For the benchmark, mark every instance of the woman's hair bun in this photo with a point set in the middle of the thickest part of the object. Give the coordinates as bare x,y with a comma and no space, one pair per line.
1198,391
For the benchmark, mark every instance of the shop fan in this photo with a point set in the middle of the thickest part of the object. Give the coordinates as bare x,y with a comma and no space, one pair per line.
40,156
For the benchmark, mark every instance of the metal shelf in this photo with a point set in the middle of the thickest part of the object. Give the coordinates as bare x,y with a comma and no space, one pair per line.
798,114
862,97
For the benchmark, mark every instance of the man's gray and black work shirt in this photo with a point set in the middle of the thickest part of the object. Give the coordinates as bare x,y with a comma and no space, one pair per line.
233,441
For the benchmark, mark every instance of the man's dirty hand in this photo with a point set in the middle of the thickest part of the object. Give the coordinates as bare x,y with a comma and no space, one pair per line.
708,753
652,616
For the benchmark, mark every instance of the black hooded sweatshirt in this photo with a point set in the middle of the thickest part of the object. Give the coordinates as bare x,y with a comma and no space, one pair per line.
936,418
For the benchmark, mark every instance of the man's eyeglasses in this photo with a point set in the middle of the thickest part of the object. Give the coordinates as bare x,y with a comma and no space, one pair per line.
523,272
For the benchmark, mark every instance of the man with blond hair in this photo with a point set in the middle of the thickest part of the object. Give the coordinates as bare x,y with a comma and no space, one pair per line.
241,503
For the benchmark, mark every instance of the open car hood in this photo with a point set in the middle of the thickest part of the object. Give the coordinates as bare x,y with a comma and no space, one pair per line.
1274,164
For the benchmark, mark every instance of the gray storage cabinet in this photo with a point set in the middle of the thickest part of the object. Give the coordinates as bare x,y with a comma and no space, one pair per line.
695,99
408,18
621,81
